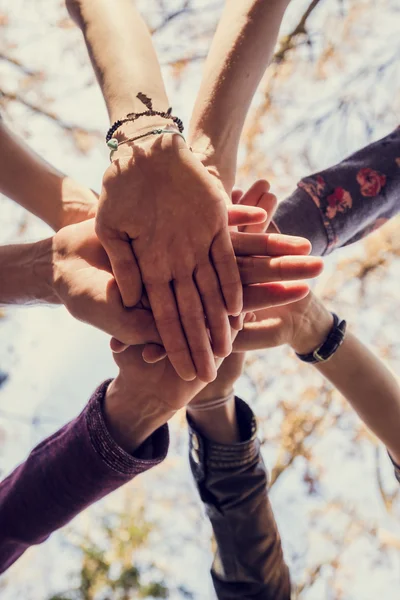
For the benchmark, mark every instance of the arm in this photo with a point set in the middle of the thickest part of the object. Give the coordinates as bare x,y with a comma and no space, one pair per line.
354,370
77,466
44,191
344,203
160,213
240,52
358,374
123,57
71,268
232,482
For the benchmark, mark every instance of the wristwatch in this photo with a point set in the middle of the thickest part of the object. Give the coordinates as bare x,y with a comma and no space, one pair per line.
331,344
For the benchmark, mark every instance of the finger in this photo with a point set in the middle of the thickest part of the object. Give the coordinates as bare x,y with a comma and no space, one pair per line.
153,353
265,295
166,316
280,268
236,322
125,268
236,195
224,261
254,193
245,215
194,325
268,244
258,336
117,346
214,309
267,202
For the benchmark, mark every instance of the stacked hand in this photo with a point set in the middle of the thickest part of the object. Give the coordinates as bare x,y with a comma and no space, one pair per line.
292,323
82,279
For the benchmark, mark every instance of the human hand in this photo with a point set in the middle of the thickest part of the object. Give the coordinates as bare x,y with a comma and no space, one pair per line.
300,323
161,213
267,281
232,366
303,325
81,278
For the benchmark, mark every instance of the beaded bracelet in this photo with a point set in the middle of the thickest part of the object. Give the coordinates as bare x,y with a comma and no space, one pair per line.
150,112
114,147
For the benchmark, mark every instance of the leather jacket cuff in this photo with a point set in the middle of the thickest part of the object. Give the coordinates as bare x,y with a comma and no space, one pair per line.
206,454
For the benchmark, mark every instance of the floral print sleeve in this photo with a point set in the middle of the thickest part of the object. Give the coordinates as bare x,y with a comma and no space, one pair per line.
344,203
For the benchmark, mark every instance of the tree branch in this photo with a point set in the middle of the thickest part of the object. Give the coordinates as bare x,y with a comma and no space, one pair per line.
40,110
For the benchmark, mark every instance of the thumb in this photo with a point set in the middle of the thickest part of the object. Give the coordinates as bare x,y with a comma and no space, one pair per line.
153,353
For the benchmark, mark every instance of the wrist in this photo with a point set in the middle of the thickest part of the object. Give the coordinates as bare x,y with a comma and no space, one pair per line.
26,270
218,424
315,326
151,145
78,204
219,160
132,416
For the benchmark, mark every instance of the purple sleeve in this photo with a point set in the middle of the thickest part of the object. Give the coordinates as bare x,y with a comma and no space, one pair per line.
73,468
344,203
396,469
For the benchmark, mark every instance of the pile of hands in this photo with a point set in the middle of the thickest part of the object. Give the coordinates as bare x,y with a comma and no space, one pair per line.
182,273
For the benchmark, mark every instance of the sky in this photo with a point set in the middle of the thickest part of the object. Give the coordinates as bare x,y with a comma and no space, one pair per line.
55,362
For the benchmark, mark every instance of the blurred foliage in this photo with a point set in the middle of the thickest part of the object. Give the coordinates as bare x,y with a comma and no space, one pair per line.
109,567
333,86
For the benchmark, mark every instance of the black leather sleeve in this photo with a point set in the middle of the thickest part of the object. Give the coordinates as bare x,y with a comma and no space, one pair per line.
232,483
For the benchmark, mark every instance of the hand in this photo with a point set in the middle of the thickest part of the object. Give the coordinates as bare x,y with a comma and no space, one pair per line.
273,276
232,367
159,206
304,325
301,324
82,280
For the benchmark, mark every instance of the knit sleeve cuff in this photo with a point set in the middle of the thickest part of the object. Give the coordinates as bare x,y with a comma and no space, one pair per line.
152,452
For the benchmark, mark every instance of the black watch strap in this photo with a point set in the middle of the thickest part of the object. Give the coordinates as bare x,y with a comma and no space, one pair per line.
331,344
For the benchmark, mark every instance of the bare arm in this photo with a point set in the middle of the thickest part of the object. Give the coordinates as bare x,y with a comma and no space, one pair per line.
362,378
240,52
24,274
354,370
122,54
40,188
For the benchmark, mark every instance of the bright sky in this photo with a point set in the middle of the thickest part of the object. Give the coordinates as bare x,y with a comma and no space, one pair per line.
55,362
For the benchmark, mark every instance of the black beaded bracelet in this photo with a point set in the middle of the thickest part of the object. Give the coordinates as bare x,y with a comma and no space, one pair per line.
150,112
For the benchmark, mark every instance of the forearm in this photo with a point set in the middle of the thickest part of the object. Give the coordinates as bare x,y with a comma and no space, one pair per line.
240,52
67,472
347,201
123,57
232,482
37,186
364,381
26,274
